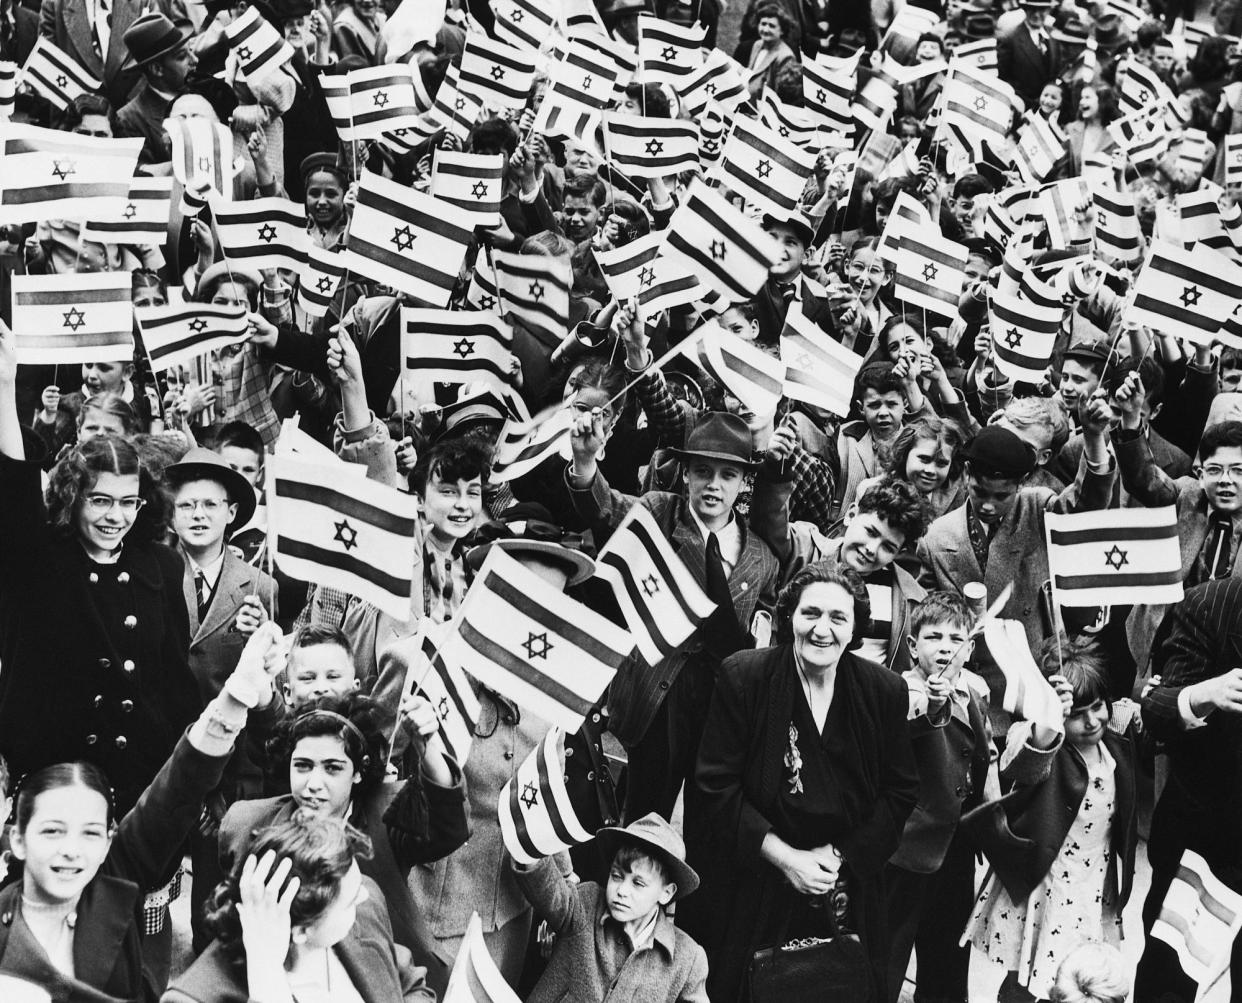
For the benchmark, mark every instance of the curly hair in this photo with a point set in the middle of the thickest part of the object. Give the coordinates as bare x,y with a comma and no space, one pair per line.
366,742
321,851
898,503
791,595
74,476
945,432
1082,662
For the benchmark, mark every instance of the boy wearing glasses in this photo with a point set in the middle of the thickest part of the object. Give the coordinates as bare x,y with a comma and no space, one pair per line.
1208,505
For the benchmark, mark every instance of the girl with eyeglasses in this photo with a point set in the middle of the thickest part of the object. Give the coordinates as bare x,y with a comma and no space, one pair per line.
93,626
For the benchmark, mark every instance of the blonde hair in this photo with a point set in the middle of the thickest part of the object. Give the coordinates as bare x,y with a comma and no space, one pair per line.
1091,973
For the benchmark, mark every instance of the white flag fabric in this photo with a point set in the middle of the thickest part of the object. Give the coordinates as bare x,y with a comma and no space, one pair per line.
8,87
202,153
524,638
263,232
524,24
71,318
260,48
1200,918
651,147
500,74
319,280
763,168
749,373
523,445
368,102
450,694
537,817
718,81
1024,334
181,332
818,369
1027,693
1121,556
456,346
534,289
638,269
142,219
56,76
1185,293
930,271
474,182
353,534
668,51
475,977
662,603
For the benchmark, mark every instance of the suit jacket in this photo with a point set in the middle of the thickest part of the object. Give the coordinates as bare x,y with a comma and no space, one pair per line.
1021,64
638,688
25,32
216,644
67,24
380,970
107,943
1017,553
143,117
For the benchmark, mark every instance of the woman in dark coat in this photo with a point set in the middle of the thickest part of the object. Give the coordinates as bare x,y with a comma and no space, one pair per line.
94,631
805,779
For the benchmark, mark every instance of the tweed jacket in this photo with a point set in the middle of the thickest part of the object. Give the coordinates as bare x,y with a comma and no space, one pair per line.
638,688
1017,553
1150,485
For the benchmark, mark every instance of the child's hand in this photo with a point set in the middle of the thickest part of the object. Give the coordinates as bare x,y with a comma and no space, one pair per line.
1065,691
1096,414
418,716
50,399
939,690
343,360
587,437
407,456
782,444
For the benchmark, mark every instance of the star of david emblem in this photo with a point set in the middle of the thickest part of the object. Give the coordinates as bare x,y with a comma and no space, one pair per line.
981,103
346,535
646,276
537,645
1143,96
710,87
717,250
517,16
379,99
267,233
669,53
197,325
929,272
587,81
131,210
784,131
1013,338
244,53
1100,218
710,147
323,285
62,80
536,290
1116,558
803,360
63,168
74,318
498,73
651,585
487,302
821,96
479,191
654,147
764,169
442,708
530,795
1191,296
463,347
204,163
399,133
460,104
402,238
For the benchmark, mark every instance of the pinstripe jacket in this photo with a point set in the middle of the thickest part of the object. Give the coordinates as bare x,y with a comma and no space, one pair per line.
638,688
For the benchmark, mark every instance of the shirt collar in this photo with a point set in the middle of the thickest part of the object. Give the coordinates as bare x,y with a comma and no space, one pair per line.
728,528
659,930
211,572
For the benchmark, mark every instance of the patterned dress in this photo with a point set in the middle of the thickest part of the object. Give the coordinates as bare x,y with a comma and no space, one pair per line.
1070,906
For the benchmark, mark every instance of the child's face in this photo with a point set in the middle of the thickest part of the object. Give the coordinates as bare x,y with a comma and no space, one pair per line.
95,422
1221,477
866,272
963,208
927,51
735,322
452,508
992,497
932,650
105,377
1230,380
790,252
246,462
1085,727
870,542
636,890
64,844
927,465
201,514
1050,100
883,411
320,670
904,338
1078,383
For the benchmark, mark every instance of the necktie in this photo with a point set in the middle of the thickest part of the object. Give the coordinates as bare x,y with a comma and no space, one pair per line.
202,593
721,634
101,28
1216,556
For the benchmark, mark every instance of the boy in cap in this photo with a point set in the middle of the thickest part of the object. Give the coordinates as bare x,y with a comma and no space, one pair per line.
786,284
997,535
618,942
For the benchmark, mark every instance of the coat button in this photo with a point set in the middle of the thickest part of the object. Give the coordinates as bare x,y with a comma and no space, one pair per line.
568,752
590,775
957,791
121,741
92,739
93,578
130,621
664,684
98,699
595,718
123,578
127,706
105,663
128,665
508,753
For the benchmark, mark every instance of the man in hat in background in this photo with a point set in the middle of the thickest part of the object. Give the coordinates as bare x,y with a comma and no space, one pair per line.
1028,58
658,712
93,32
162,51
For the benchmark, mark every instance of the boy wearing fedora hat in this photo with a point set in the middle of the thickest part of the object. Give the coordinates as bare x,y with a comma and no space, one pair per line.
658,712
618,942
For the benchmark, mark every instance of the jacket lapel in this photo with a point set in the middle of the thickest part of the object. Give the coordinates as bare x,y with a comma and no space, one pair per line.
689,545
959,553
78,28
230,590
191,598
107,908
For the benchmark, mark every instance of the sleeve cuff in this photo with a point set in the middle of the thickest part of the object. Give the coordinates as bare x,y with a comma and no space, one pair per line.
528,199
1190,720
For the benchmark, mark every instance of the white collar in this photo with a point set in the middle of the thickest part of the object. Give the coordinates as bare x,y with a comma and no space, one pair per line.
211,572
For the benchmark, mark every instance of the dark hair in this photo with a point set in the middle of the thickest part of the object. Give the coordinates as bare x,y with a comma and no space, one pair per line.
1230,358
76,474
493,135
1150,372
114,405
930,36
898,504
779,16
596,374
143,278
630,853
877,376
1222,435
791,595
636,222
207,290
1081,662
1108,110
88,104
239,435
747,308
50,778
941,607
788,83
1211,62
321,851
313,634
366,742
651,99
586,186
452,460
968,186
944,431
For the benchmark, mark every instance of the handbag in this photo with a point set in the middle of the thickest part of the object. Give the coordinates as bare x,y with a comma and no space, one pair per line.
833,969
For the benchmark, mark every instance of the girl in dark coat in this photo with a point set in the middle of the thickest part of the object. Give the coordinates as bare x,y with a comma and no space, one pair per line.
93,625
71,924
805,779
